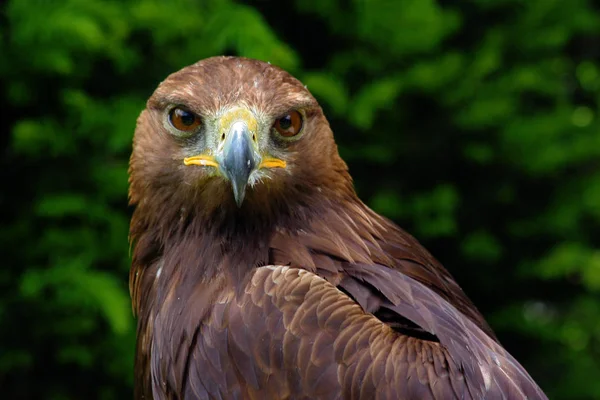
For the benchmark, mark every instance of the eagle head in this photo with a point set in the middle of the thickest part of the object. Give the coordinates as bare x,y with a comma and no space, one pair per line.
227,133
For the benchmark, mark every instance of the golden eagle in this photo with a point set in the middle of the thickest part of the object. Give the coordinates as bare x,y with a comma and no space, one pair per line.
258,273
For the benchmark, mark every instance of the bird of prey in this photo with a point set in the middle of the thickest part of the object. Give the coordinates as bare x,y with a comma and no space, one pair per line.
257,272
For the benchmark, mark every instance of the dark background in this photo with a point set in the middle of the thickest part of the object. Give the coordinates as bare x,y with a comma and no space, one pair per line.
473,124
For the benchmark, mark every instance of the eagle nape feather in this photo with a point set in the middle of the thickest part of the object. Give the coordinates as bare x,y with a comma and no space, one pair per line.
257,272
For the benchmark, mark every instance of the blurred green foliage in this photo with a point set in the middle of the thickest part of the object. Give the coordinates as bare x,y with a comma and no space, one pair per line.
473,124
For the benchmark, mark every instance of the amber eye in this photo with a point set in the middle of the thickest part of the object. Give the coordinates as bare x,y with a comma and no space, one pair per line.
184,120
289,125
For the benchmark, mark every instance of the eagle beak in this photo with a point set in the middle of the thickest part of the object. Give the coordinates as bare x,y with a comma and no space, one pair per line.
239,158
237,154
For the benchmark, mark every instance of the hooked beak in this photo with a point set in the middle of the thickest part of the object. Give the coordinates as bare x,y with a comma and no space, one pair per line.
239,159
238,154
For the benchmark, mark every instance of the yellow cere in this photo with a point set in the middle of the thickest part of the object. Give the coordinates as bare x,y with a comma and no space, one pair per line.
238,114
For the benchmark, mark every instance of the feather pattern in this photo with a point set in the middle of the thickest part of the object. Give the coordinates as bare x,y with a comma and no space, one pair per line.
301,293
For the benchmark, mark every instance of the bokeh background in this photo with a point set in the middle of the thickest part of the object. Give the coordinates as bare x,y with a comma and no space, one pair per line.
474,124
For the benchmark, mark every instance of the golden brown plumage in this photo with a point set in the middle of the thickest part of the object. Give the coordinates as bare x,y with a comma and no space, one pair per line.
257,272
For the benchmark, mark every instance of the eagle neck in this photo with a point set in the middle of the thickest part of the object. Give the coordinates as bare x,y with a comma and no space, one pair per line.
198,248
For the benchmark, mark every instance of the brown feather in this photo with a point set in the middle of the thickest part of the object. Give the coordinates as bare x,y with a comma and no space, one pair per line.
303,291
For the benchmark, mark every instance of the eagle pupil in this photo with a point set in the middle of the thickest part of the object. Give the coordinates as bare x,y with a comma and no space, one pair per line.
286,122
187,118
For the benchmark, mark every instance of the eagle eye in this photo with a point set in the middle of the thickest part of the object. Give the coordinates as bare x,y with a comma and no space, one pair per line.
183,119
290,124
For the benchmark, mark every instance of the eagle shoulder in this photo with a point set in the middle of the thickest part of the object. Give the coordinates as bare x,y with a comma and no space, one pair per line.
292,334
